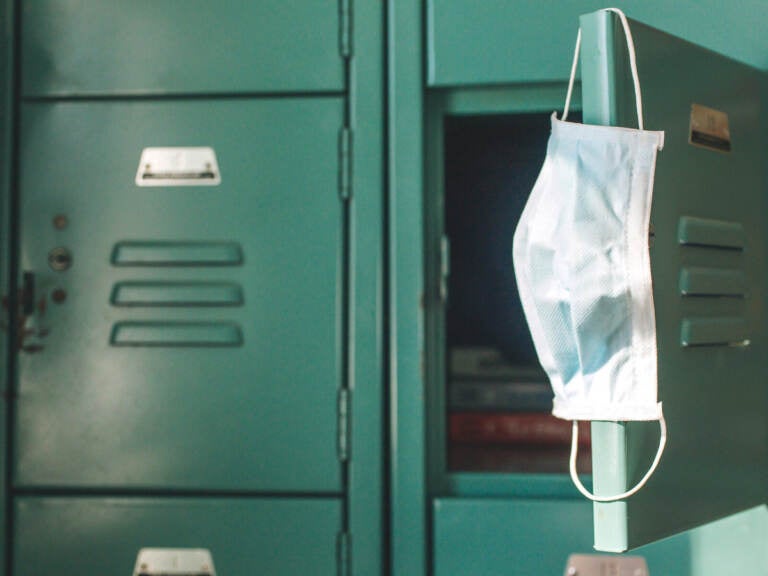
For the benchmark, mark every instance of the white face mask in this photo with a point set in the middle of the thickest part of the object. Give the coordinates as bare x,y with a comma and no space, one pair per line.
584,275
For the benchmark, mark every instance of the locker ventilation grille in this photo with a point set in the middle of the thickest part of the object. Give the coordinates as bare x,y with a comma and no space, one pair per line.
178,330
713,283
163,253
176,334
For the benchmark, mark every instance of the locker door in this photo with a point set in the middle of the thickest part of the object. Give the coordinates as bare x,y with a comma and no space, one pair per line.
109,47
708,264
94,536
180,336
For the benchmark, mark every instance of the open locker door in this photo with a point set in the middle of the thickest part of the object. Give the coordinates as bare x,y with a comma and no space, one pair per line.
708,259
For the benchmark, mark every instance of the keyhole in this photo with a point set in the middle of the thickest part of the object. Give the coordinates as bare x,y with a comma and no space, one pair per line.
60,259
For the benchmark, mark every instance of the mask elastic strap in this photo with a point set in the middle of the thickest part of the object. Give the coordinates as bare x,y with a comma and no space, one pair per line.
628,493
632,64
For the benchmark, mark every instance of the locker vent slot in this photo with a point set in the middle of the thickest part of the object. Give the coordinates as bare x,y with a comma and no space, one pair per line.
161,253
694,231
177,294
724,331
702,281
176,334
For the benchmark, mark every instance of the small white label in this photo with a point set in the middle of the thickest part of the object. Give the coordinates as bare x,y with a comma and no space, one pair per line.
180,166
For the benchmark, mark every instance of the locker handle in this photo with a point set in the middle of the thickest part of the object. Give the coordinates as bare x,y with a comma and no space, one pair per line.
207,175
178,166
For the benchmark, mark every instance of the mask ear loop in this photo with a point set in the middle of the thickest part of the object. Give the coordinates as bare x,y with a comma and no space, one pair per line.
628,493
632,65
574,65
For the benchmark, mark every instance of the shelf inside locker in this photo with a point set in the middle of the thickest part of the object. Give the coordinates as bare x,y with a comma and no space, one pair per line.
498,398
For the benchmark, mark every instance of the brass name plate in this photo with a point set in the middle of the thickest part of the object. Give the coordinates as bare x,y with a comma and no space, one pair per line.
709,129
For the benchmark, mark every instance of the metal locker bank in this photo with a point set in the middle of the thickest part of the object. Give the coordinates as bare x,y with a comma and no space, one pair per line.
190,276
260,314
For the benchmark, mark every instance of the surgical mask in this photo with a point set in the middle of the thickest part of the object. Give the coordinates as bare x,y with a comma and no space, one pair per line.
583,271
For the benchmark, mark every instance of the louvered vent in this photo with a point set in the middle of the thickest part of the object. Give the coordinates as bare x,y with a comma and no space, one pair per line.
193,294
715,285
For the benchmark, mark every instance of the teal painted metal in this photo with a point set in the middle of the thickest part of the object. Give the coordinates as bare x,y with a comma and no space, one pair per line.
179,253
707,471
498,42
519,99
408,519
713,233
492,42
175,333
496,484
707,282
366,258
479,537
7,115
177,294
183,46
735,545
260,414
74,536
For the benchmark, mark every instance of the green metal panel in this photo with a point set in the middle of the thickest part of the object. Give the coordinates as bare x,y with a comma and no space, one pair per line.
476,537
366,466
497,41
177,294
7,124
182,46
76,536
714,394
734,545
219,396
493,41
406,290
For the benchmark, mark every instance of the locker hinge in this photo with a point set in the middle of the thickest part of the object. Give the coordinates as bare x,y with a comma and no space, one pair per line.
344,411
345,28
344,551
345,163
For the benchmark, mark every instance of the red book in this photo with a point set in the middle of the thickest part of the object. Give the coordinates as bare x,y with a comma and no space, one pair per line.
512,428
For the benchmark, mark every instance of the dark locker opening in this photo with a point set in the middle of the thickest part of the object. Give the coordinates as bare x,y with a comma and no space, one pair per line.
498,396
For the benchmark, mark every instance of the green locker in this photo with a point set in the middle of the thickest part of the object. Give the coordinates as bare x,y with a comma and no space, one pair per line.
708,260
191,336
79,47
200,326
92,536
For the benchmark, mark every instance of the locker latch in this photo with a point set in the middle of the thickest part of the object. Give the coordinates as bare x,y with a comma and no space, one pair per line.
30,319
